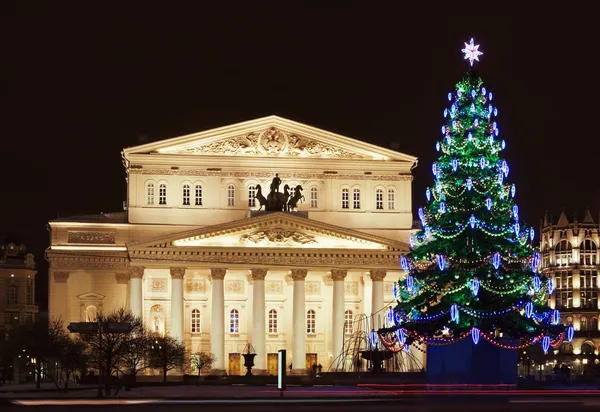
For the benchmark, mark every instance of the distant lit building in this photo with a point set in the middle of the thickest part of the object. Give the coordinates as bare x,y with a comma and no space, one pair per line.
570,258
17,286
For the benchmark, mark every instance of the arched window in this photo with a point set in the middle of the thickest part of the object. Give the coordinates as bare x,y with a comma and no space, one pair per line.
583,324
569,321
157,317
231,195
251,196
91,314
563,252
566,348
150,193
272,321
587,348
162,194
12,295
594,324
195,321
311,321
391,199
314,201
234,321
356,198
348,322
379,199
587,252
186,195
345,200
198,195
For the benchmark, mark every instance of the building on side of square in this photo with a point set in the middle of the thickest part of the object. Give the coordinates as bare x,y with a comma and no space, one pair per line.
194,256
570,257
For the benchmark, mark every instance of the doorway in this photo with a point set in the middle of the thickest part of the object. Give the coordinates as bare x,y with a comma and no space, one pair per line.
234,364
272,364
311,359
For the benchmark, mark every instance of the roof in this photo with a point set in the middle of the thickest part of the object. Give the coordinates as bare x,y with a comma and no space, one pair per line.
115,217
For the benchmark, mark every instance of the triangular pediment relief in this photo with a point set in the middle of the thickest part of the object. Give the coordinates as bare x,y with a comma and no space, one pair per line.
90,296
273,230
270,136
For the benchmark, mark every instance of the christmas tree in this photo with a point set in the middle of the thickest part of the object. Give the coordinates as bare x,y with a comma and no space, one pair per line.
472,269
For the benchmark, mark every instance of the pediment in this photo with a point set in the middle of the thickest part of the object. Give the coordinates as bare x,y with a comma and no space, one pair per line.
272,231
270,136
90,296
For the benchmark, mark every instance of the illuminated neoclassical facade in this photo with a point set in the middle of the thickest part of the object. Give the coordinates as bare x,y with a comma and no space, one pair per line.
570,257
195,257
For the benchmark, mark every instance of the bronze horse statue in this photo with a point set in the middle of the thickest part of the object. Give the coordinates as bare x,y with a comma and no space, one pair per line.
262,200
298,196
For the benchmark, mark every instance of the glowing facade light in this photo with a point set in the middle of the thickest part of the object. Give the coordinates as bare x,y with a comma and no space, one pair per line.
472,52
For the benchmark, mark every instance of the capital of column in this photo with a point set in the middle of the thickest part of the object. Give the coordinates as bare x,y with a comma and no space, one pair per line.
338,274
299,274
61,277
177,272
377,275
122,278
258,273
218,273
136,272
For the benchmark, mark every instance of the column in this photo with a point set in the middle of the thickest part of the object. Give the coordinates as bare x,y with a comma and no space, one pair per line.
217,320
177,274
136,305
258,320
338,276
122,282
299,323
377,276
60,298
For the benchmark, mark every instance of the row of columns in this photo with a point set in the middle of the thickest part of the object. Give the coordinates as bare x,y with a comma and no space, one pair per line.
217,334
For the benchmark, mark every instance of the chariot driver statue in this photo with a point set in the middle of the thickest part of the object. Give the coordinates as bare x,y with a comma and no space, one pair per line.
275,183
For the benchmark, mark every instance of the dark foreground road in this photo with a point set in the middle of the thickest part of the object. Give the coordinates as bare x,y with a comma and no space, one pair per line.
401,403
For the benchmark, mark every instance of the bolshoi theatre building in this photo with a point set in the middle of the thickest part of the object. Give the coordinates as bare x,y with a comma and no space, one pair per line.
267,232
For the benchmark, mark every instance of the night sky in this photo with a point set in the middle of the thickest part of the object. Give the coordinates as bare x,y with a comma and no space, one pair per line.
79,83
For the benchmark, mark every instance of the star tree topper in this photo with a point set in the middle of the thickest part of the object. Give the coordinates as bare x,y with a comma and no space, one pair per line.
471,52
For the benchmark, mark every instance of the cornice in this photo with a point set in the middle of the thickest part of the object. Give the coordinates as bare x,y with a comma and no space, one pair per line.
280,218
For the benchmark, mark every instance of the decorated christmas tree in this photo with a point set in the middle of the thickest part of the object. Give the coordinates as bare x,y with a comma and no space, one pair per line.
473,269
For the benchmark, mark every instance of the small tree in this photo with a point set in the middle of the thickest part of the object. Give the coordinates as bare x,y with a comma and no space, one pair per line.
107,350
202,361
72,357
136,353
167,353
39,342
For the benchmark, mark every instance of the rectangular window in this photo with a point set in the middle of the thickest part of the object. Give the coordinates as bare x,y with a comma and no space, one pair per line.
356,199
391,199
345,199
186,195
379,199
313,197
231,195
252,196
150,192
198,198
162,194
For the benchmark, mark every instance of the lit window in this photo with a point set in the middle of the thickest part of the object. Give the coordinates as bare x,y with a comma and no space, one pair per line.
311,322
231,195
195,321
198,195
348,322
313,197
379,199
583,323
345,201
391,199
272,321
186,195
252,196
12,295
162,194
234,321
150,194
594,324
356,198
